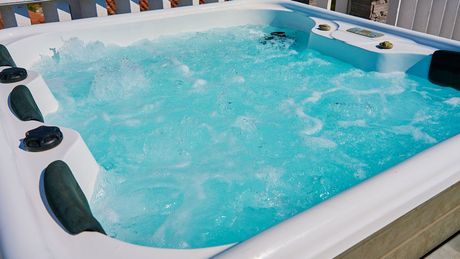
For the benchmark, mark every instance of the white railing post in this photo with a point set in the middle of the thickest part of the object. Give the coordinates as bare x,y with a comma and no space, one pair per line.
456,32
101,8
406,14
56,11
159,4
166,4
436,17
93,8
188,2
326,4
15,15
75,9
450,19
393,11
341,6
128,6
422,15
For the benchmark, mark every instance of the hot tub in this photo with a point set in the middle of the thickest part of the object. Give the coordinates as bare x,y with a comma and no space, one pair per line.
30,228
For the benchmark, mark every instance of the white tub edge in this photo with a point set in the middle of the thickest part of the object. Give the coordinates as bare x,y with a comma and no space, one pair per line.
287,239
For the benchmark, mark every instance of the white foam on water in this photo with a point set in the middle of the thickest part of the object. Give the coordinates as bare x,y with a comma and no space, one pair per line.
319,142
454,101
159,119
152,106
360,174
199,86
421,116
256,34
313,125
316,96
392,76
182,164
132,123
311,60
75,49
351,73
245,123
312,129
238,79
106,117
183,68
356,123
110,84
392,90
415,132
90,120
396,83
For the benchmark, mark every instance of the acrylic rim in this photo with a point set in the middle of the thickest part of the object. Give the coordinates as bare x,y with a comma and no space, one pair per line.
364,209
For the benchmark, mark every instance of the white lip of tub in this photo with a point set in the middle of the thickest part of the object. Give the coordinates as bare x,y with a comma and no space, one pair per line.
28,231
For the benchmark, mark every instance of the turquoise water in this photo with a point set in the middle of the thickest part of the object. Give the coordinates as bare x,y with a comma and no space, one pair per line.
209,138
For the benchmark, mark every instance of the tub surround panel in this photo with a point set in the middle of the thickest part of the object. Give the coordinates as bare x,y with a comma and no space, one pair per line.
415,233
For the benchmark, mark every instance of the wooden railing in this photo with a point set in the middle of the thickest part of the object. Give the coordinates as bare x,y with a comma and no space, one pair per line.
437,17
337,5
14,12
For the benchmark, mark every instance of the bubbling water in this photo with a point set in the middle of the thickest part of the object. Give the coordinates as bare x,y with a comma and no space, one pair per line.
209,138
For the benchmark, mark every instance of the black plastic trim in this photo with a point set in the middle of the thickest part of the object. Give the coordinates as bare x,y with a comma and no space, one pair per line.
67,201
23,105
12,75
5,57
445,68
42,138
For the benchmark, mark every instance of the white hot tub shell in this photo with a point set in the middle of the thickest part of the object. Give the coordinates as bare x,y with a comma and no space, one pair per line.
28,229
